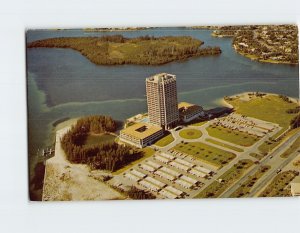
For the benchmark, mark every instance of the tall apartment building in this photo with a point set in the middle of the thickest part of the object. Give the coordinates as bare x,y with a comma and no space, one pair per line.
162,101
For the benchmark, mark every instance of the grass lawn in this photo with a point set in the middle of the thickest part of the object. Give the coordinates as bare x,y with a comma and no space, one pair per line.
268,108
166,140
148,151
199,123
233,136
277,187
248,184
190,133
291,149
224,145
206,153
94,139
216,188
269,145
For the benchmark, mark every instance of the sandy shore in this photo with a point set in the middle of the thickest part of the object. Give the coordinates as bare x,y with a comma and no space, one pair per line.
65,181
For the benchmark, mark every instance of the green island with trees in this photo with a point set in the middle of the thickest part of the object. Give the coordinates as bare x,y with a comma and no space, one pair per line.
107,155
118,50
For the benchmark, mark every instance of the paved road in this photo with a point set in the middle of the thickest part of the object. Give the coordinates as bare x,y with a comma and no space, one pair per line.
276,163
257,189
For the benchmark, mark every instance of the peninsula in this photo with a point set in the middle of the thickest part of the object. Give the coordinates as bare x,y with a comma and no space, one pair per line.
118,50
264,43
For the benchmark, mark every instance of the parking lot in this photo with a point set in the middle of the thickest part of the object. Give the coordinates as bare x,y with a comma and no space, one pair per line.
245,124
170,175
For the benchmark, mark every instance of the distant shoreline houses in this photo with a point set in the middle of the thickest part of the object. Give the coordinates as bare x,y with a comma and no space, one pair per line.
164,112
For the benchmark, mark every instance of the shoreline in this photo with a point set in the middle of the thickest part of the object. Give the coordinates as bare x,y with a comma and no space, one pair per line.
58,166
258,59
224,103
66,181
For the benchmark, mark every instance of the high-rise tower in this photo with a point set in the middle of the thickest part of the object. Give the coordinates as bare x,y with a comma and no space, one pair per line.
162,100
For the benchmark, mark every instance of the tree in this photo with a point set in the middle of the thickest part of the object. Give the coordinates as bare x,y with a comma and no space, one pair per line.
295,122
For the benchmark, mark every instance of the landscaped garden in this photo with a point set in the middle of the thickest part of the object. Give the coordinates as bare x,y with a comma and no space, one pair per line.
206,153
224,145
190,133
233,136
216,188
166,140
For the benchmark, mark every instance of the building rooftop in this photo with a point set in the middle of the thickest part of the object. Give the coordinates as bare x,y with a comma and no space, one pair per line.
141,130
187,108
184,105
161,77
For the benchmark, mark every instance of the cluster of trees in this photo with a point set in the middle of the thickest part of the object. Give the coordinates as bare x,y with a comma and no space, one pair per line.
139,194
295,122
285,98
293,110
106,155
231,31
144,50
259,94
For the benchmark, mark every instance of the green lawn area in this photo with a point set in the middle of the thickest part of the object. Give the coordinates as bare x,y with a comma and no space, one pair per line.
224,145
248,184
277,187
269,108
291,149
190,133
233,136
206,153
148,151
267,146
94,139
166,140
199,123
270,144
216,188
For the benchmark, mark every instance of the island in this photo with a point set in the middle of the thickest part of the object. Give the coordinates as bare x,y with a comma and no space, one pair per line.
118,50
264,43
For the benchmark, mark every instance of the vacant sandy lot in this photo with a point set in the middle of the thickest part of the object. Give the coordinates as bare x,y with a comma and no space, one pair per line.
65,181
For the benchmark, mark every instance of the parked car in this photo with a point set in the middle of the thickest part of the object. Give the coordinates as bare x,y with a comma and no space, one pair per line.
278,170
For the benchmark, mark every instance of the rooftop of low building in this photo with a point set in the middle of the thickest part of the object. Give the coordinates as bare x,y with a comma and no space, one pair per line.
141,130
186,108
